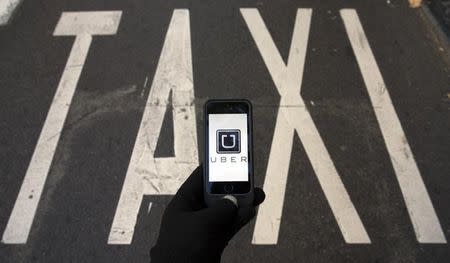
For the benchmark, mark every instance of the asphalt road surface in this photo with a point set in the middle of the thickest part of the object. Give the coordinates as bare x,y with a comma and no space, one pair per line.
101,120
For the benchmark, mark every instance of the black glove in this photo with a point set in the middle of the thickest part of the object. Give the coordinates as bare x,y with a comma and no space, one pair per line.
192,232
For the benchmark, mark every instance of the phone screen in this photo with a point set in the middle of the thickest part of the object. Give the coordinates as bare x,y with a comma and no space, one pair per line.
228,147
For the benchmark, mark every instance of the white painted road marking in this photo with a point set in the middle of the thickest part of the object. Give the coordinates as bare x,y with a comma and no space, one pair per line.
146,174
21,219
91,23
420,209
293,115
7,8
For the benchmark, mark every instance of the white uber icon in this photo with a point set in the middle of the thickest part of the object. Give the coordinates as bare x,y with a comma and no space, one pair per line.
228,141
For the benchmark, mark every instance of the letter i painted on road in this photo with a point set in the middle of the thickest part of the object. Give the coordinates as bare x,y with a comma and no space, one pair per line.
421,211
146,174
83,25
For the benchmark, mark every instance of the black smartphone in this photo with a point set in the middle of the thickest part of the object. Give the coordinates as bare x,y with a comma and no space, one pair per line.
228,164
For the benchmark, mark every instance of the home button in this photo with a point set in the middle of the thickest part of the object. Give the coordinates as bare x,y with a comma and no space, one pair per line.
228,188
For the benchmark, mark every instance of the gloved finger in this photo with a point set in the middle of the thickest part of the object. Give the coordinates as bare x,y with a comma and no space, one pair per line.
189,196
220,213
259,196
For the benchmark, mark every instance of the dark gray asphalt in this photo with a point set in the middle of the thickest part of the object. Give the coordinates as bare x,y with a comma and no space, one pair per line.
77,207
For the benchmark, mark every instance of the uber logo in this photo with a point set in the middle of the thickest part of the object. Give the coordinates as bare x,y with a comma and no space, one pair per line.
228,141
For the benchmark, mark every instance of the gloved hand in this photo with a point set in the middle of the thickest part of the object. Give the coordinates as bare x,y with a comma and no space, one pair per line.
192,232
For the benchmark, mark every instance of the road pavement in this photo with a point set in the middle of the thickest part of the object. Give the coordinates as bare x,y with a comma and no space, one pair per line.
101,120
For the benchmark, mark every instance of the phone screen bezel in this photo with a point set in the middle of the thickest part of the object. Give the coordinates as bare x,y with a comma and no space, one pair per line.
224,107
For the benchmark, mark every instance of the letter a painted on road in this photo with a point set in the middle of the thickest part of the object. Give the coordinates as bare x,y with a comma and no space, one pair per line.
146,174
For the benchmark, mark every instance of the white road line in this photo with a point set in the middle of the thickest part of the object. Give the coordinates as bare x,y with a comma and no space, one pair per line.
293,115
418,203
21,219
7,8
146,174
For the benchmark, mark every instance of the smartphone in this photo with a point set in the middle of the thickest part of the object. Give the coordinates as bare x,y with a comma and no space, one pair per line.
228,164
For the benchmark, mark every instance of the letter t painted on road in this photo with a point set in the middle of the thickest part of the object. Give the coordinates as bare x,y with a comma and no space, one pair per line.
83,25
